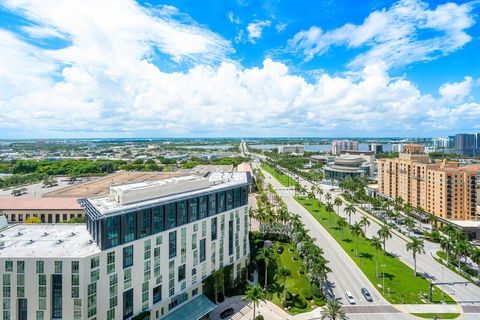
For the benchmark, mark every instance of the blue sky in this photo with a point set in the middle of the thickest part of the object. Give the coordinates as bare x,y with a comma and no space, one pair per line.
238,68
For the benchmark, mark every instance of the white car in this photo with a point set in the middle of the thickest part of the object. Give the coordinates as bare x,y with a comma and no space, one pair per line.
349,297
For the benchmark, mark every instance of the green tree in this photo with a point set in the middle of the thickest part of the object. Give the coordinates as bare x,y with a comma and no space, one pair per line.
417,247
356,230
349,209
266,254
282,274
384,233
254,294
333,311
219,283
376,243
341,224
364,222
330,210
409,223
338,202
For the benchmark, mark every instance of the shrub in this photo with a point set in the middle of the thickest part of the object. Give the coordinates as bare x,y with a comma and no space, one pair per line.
299,301
259,317
307,293
288,295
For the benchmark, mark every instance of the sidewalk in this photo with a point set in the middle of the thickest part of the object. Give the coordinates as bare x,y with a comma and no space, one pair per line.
429,308
244,310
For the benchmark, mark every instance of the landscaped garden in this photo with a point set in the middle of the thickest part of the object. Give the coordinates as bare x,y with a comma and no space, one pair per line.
281,177
401,286
300,294
437,315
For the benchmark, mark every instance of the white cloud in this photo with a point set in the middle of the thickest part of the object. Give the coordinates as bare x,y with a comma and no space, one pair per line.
255,29
233,18
280,27
456,92
405,33
104,80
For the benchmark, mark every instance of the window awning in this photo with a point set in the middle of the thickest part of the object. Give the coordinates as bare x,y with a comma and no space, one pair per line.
195,309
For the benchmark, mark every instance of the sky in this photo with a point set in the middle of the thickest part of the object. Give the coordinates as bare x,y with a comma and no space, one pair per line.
244,68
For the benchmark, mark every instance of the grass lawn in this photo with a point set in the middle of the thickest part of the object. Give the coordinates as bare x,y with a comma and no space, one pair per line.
285,180
438,315
468,273
297,283
400,284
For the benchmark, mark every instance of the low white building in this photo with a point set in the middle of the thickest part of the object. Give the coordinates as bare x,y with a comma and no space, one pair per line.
145,249
291,149
344,145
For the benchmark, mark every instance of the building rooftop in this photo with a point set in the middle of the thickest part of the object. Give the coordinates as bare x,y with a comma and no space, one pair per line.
47,241
21,203
144,194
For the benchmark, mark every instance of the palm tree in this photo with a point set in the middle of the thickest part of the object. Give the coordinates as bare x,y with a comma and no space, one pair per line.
341,224
266,254
475,256
320,193
328,196
376,243
251,214
417,247
409,223
333,311
330,210
356,230
445,244
254,294
431,219
449,230
349,209
281,275
384,233
338,202
460,248
365,222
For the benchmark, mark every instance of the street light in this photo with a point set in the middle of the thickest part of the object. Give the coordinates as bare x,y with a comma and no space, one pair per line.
383,277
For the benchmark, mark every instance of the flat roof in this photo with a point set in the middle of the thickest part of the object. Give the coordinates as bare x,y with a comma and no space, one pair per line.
216,181
63,240
466,223
22,203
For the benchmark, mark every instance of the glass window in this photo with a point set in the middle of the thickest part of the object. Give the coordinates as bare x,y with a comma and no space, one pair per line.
229,199
236,197
202,250
230,237
181,273
172,244
158,220
94,262
214,229
170,212
212,204
112,226
128,256
75,279
143,217
192,210
129,226
6,279
182,212
20,266
58,266
8,266
202,206
111,257
157,294
75,266
40,266
221,201
128,304
57,295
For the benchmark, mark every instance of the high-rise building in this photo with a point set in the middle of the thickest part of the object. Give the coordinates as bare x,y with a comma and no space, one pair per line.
442,188
344,145
397,147
375,147
466,144
145,249
443,143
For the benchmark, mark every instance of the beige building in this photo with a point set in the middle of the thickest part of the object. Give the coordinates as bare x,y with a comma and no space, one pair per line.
49,210
442,188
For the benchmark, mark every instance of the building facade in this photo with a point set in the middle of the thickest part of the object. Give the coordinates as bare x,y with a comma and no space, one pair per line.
145,249
466,144
344,145
48,210
443,188
291,149
345,166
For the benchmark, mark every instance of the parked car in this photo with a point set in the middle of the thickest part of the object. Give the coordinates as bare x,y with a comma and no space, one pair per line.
367,295
227,313
280,250
349,297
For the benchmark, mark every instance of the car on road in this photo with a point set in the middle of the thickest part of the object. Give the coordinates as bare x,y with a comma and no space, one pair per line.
349,297
227,313
367,295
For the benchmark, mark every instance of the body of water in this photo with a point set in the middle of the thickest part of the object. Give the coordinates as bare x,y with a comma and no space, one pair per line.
387,147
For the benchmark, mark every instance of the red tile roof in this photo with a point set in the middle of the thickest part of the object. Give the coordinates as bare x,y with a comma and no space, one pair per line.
24,203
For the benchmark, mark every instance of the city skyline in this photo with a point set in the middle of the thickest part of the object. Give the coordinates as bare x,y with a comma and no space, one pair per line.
175,69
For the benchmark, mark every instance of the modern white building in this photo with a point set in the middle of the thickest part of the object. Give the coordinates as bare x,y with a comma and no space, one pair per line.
443,143
397,147
291,149
145,249
344,145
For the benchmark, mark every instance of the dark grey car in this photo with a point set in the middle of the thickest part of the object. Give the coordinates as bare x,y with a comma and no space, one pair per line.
367,295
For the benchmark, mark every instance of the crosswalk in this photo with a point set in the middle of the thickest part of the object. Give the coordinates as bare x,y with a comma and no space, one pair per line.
241,313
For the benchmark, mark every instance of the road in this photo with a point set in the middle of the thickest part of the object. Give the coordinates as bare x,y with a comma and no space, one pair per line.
345,276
